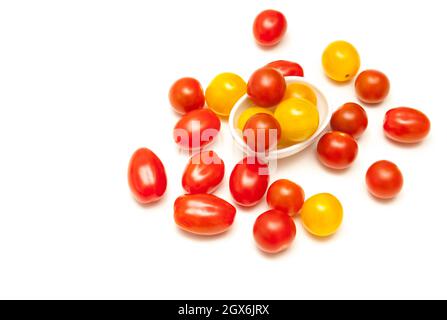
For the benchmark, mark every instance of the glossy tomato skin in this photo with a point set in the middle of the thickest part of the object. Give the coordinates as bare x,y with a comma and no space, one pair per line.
249,181
287,68
372,86
350,118
286,196
266,87
337,150
406,125
186,94
203,214
146,176
274,231
384,179
269,28
196,129
203,173
341,61
262,132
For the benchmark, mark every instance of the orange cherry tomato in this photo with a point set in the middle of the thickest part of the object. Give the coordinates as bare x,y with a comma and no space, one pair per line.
372,86
146,176
262,132
269,27
337,150
186,94
266,87
406,125
286,196
384,179
203,214
287,68
274,231
350,118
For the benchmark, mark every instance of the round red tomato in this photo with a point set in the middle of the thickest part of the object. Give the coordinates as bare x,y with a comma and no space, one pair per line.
262,132
186,94
406,125
249,181
384,179
286,196
287,68
274,231
337,150
350,118
203,173
196,129
372,86
203,214
269,27
146,176
266,87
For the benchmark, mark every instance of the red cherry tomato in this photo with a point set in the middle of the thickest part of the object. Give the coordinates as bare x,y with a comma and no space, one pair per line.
186,94
262,132
287,68
266,87
274,231
406,125
146,176
337,150
249,181
286,196
384,179
196,129
372,86
269,28
203,214
350,118
203,173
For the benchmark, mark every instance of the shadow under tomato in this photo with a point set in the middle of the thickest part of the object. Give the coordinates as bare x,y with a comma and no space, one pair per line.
159,202
274,256
381,201
405,145
202,238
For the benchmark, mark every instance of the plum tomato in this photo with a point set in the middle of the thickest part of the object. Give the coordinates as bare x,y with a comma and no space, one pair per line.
146,176
372,86
286,196
301,91
350,118
337,150
322,214
287,68
196,129
298,118
262,132
203,214
406,125
274,231
186,94
341,61
269,28
248,113
266,87
384,179
249,181
223,92
203,173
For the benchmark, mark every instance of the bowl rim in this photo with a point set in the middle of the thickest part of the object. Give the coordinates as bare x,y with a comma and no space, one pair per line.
290,150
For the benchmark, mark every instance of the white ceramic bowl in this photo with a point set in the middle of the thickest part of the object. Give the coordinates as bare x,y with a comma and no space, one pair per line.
280,153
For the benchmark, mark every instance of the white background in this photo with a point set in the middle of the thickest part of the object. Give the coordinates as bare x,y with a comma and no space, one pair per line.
84,83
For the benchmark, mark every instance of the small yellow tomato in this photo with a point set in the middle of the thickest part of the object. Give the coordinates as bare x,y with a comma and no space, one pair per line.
223,92
322,214
300,90
298,119
248,113
341,61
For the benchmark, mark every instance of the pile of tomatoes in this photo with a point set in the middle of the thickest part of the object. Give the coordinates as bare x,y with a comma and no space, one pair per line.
294,119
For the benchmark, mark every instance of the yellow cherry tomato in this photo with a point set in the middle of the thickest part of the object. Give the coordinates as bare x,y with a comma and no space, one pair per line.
298,119
248,113
341,61
322,214
223,92
300,90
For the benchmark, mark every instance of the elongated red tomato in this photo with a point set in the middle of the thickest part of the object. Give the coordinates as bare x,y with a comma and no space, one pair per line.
287,68
269,27
406,125
146,176
196,129
203,173
249,181
203,214
274,231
